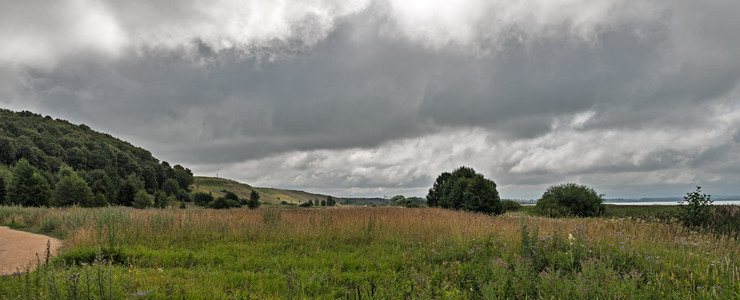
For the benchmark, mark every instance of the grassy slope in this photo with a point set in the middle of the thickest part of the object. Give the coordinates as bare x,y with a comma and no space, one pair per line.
267,195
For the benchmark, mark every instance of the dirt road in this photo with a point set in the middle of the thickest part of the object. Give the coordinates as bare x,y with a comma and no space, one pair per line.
18,249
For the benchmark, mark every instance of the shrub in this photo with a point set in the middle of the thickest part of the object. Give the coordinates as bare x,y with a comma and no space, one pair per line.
254,200
219,203
202,199
142,200
694,211
99,200
229,195
170,187
3,192
233,203
330,201
161,200
570,199
510,205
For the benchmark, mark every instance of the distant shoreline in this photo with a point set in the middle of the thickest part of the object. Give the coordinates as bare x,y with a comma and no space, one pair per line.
647,203
718,202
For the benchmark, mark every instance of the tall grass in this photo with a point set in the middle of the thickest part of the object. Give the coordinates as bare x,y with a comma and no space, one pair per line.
368,253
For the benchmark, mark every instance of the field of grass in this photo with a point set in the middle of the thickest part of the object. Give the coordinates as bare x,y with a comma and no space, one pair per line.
267,195
381,253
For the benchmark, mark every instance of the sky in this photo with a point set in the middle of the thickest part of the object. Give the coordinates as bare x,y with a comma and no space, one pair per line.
354,98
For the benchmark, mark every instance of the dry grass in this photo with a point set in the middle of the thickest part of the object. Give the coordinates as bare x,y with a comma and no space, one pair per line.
435,243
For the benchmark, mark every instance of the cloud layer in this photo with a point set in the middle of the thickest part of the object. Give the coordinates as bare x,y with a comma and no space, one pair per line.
378,97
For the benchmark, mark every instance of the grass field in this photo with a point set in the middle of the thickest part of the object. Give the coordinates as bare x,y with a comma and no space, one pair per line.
270,196
381,253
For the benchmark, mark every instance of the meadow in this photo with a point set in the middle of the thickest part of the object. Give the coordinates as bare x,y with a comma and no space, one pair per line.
366,253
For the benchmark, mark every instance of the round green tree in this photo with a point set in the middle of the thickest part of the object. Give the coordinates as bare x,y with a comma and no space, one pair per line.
571,199
28,187
71,189
142,200
170,187
465,189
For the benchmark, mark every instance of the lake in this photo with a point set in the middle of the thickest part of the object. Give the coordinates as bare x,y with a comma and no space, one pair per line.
719,202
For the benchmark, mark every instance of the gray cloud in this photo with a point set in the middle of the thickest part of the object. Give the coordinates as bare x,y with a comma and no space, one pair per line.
372,97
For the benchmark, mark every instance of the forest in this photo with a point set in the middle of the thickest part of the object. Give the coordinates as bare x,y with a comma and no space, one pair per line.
52,162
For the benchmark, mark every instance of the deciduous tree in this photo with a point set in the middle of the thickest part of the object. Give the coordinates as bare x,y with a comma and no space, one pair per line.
71,189
28,187
465,189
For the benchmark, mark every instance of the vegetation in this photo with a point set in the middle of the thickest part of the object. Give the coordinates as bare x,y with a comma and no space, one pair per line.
379,253
142,200
71,189
510,205
28,187
254,200
570,199
38,147
694,211
465,189
272,196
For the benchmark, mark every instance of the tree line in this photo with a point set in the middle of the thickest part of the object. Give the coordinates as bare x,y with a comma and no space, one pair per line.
52,162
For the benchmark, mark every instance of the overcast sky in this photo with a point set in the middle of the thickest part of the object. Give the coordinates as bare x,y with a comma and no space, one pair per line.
376,98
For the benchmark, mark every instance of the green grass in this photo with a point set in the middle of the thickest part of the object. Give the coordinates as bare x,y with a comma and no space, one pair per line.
267,195
382,253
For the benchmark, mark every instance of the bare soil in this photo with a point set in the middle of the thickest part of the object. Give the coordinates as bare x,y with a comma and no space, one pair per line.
18,249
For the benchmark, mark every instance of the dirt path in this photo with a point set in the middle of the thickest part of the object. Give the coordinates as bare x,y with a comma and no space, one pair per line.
18,249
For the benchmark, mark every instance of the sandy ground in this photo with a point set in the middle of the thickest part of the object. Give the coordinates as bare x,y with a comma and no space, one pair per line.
18,249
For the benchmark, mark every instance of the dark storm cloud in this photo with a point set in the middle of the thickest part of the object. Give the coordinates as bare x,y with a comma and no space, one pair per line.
529,92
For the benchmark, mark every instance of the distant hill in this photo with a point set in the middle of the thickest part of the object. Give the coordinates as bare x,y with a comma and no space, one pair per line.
272,195
365,201
267,195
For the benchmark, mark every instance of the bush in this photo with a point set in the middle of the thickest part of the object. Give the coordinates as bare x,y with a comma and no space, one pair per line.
202,199
570,199
233,203
219,203
694,211
254,200
510,205
142,200
330,201
99,200
170,187
161,200
229,195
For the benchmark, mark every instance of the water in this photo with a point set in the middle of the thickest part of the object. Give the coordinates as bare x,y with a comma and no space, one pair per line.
720,202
